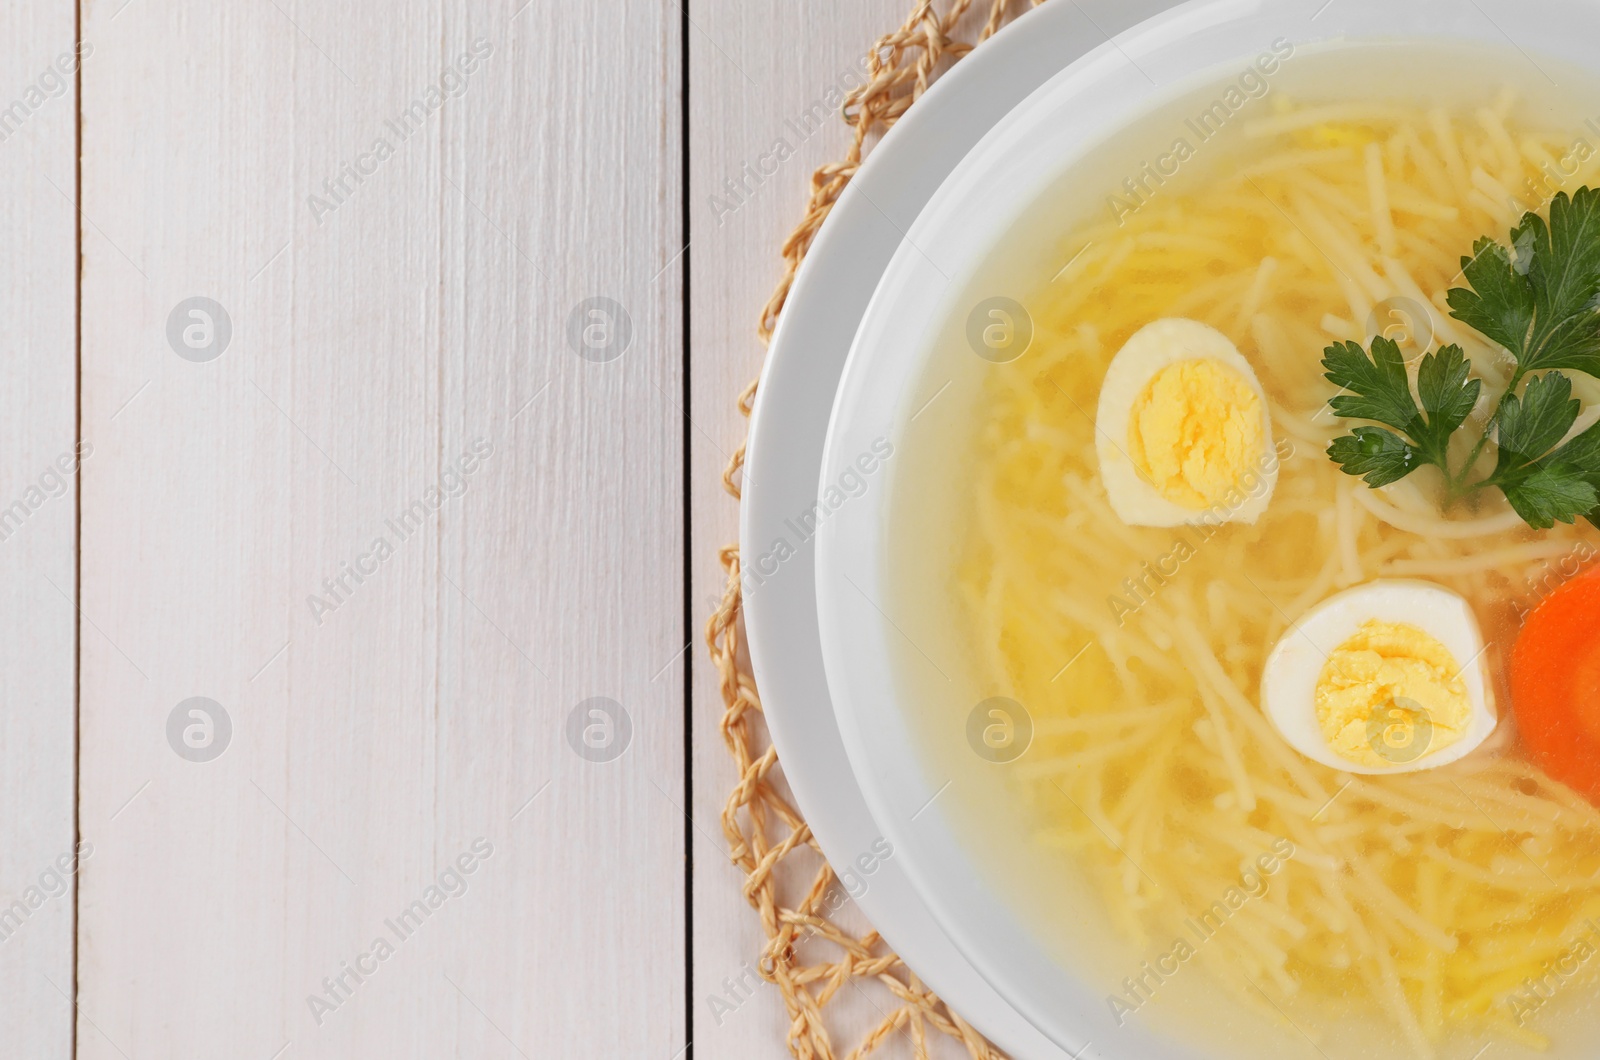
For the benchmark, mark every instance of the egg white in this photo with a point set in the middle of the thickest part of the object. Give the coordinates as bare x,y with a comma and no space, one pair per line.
1151,349
1289,681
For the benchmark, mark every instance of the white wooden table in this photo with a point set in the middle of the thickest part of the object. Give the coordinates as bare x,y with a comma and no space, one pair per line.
350,548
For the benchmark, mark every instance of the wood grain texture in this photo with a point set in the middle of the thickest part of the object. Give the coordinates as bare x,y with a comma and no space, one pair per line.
399,372
759,74
38,516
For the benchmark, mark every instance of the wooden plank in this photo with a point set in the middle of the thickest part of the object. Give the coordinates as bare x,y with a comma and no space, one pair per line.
564,330
398,530
38,524
759,74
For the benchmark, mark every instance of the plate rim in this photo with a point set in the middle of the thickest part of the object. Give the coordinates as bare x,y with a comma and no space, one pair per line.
824,788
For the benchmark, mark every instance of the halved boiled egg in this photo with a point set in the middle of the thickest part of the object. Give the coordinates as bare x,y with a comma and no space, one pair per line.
1387,677
1184,433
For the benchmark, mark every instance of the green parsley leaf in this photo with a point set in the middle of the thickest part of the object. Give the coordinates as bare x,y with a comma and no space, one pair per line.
1380,391
1379,456
1448,397
1531,426
1546,487
1552,494
1541,299
1579,459
1378,387
1500,303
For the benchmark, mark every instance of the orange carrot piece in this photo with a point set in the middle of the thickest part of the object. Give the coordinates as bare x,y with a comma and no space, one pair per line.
1555,684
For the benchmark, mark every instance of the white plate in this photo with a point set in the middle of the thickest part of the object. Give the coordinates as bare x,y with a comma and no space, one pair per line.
944,266
784,458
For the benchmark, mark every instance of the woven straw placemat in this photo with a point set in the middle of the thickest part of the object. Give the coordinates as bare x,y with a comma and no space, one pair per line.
810,955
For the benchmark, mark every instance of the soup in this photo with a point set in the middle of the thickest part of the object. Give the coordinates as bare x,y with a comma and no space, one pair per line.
1447,904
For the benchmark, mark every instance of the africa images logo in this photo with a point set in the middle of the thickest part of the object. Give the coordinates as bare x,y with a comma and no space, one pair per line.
853,482
339,587
452,83
1253,84
450,884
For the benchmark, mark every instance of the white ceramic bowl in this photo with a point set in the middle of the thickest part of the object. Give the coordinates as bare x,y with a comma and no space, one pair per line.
882,646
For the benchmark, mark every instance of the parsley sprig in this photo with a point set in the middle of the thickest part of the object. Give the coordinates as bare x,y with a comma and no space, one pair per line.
1539,298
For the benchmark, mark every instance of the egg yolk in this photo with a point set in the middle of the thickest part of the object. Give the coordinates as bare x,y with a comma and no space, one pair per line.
1196,432
1391,694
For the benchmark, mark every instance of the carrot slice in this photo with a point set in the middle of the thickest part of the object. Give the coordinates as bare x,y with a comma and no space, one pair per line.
1555,684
